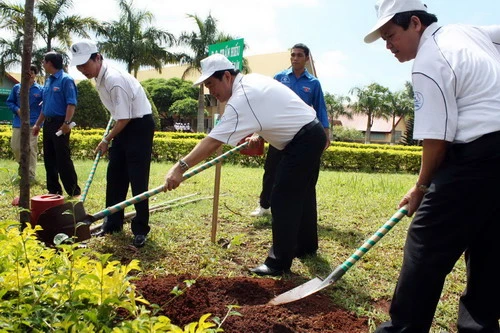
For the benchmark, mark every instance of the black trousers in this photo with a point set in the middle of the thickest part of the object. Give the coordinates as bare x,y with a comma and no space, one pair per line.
129,164
273,158
460,214
294,213
57,159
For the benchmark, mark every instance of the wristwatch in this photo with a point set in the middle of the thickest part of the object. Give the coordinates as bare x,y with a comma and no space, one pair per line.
67,122
422,188
184,166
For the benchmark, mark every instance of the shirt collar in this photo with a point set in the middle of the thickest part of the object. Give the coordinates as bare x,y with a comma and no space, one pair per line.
237,81
58,74
428,32
305,73
102,71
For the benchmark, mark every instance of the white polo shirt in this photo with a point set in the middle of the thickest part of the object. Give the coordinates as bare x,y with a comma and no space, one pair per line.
262,105
456,81
121,94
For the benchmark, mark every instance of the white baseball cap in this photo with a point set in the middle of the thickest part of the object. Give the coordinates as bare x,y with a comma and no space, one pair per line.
210,65
81,52
386,9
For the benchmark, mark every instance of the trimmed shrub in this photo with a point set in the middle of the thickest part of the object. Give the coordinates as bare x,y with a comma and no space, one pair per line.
171,146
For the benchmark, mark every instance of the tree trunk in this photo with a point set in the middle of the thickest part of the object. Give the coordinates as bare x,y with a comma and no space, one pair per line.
24,186
393,130
200,126
368,128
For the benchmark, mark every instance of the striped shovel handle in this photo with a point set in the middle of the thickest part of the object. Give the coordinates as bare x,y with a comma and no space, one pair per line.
214,161
94,166
140,197
341,269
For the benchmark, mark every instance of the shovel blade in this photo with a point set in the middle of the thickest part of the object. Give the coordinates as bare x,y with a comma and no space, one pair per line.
299,292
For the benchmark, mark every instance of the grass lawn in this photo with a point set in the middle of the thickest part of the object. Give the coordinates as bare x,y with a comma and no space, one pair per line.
351,207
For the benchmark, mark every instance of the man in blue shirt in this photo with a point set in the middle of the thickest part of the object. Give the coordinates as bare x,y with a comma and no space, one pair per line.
308,88
59,102
14,104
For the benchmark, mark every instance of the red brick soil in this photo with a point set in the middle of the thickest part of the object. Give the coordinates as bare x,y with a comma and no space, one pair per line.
313,314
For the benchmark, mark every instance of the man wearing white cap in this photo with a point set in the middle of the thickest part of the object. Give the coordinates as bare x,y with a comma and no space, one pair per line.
130,141
261,105
456,81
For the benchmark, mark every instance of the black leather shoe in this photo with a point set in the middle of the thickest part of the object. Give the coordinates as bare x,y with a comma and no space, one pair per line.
139,240
266,270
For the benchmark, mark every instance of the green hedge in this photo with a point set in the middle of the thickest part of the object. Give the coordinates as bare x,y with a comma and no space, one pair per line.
170,146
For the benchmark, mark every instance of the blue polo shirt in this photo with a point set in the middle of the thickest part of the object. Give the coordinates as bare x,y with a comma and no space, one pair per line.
308,88
14,103
59,92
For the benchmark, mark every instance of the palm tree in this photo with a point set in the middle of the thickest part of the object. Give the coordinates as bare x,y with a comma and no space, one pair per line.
130,39
401,106
408,137
336,106
372,102
53,24
198,42
50,23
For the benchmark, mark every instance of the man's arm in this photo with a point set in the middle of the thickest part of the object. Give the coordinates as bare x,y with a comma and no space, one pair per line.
119,125
70,111
36,127
200,152
12,102
319,105
433,154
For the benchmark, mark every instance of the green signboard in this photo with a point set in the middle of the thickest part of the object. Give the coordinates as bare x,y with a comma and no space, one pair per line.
4,91
233,50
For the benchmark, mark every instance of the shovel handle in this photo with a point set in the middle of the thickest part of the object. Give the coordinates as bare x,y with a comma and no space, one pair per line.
367,245
94,166
140,197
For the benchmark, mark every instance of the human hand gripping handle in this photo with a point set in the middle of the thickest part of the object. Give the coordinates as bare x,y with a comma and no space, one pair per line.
412,199
254,141
71,125
174,176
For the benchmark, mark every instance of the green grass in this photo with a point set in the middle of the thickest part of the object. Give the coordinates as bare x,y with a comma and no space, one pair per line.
351,206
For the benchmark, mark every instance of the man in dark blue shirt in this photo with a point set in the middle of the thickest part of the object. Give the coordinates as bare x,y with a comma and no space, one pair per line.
14,104
59,102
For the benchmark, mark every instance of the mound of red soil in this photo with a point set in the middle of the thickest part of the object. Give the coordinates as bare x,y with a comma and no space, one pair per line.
313,314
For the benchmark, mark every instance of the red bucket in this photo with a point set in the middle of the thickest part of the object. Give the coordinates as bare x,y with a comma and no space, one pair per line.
41,203
255,151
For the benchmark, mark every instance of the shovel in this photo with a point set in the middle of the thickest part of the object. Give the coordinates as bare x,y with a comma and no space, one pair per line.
317,284
56,219
138,198
83,196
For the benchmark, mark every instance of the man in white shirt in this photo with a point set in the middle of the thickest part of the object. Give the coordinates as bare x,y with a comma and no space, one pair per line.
130,141
456,81
261,105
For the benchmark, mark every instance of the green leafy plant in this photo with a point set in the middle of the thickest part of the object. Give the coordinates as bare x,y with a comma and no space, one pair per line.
176,291
72,289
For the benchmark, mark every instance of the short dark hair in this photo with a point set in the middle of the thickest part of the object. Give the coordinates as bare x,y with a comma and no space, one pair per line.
55,58
219,74
34,69
303,47
93,56
403,19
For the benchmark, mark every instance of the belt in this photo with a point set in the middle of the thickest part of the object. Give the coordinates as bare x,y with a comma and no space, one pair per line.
54,119
306,128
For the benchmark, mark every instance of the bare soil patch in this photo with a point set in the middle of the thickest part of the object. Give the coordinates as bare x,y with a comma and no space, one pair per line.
314,314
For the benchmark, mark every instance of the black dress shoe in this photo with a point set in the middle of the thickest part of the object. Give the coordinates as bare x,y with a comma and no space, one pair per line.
266,270
139,240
